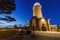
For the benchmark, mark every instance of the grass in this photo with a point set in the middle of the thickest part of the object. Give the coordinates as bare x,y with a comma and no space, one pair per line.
7,33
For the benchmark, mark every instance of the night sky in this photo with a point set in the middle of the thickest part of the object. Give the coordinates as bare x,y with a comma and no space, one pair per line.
23,12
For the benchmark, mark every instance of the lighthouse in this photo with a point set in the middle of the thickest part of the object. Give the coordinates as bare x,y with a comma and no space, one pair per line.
38,22
37,10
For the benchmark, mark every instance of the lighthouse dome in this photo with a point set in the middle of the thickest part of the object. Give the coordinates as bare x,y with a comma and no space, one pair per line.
36,4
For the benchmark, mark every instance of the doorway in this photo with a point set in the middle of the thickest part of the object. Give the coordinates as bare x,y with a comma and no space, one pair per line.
43,27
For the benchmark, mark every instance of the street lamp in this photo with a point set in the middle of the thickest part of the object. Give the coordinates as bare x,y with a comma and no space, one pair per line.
33,29
33,25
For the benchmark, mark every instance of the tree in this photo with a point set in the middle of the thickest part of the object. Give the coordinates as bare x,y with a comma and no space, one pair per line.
15,26
8,19
6,7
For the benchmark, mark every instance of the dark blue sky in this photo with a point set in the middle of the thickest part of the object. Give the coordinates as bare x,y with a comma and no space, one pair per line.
23,12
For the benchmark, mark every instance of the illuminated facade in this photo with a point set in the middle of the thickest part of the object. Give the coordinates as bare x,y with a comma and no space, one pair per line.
38,22
37,10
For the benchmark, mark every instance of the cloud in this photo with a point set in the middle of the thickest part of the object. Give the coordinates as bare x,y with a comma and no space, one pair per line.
1,23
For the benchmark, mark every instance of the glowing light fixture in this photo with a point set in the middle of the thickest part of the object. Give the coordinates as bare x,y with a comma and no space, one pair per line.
42,19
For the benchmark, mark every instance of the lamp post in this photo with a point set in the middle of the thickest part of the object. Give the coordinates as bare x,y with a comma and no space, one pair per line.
33,30
33,25
33,36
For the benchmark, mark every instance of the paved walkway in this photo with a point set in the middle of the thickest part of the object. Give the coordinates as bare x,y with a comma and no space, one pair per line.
39,36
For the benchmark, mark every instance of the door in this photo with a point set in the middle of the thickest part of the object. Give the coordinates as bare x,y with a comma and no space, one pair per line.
43,28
